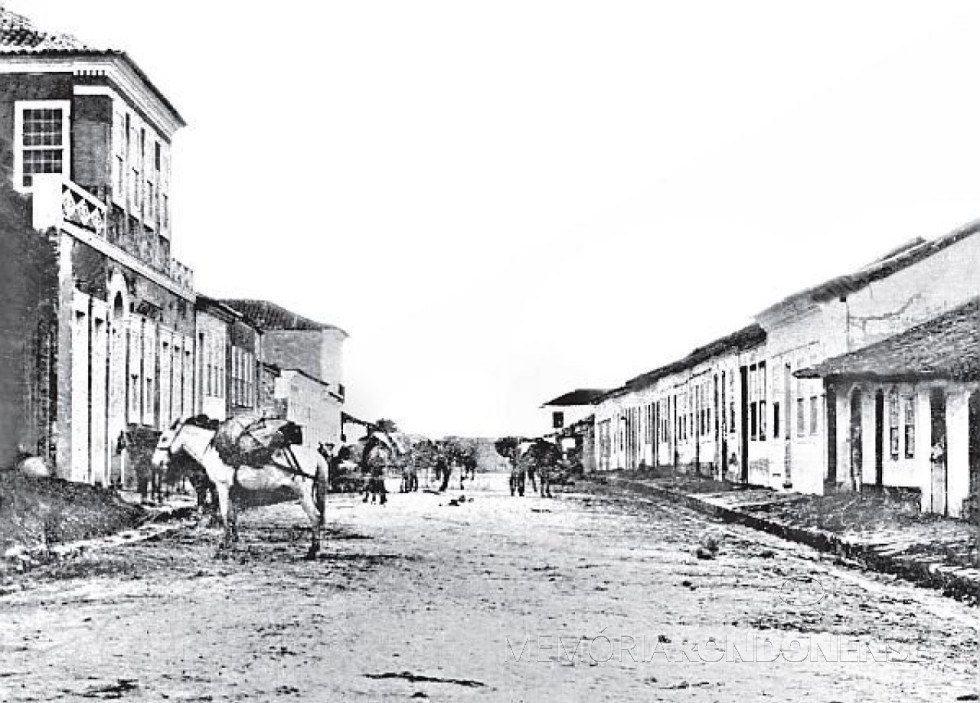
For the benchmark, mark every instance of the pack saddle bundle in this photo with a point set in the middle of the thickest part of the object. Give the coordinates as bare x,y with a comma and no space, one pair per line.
252,440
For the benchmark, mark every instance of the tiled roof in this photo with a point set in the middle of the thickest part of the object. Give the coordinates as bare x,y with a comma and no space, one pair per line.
946,347
745,338
270,316
908,254
18,35
580,396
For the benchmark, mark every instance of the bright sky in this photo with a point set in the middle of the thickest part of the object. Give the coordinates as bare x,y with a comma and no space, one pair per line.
502,201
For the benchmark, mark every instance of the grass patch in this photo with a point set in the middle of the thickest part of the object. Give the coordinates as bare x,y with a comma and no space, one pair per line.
44,511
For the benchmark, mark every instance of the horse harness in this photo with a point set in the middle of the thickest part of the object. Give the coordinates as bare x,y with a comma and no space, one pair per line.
291,467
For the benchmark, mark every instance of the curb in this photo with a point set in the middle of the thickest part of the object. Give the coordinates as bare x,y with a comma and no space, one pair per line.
913,568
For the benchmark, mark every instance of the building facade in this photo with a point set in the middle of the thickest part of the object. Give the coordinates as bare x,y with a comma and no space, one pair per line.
115,334
304,367
701,413
86,137
229,348
312,404
741,409
568,409
910,411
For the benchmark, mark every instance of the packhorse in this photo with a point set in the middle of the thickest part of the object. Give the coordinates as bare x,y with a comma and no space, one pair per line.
510,449
375,460
303,471
516,477
469,466
410,478
543,458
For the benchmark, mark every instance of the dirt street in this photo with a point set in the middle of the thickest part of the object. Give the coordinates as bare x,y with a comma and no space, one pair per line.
589,596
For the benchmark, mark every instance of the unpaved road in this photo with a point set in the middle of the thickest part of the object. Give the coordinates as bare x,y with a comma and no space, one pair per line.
585,597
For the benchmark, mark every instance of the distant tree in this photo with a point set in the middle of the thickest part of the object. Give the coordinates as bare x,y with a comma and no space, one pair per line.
385,425
507,447
457,449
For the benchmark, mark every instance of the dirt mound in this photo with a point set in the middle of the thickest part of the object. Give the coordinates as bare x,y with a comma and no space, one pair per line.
44,511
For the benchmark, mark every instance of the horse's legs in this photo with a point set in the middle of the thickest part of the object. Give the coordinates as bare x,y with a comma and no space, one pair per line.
305,490
224,508
233,518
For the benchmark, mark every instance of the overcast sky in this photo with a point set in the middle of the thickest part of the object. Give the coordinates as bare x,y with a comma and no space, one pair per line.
502,201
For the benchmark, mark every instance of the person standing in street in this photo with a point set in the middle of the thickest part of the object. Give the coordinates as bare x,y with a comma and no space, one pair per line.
443,469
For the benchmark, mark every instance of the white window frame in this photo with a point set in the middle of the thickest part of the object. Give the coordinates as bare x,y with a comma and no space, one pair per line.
19,107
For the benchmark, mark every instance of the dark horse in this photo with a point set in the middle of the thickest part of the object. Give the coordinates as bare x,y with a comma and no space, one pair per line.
375,459
543,458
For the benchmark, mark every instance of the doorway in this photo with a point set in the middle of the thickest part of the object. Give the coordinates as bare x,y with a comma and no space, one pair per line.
831,435
857,439
879,437
723,419
744,423
937,420
974,440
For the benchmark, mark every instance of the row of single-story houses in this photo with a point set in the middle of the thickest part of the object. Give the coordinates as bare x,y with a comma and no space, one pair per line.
869,381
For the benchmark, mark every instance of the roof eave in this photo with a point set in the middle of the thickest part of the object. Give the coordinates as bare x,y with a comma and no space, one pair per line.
178,118
887,376
173,120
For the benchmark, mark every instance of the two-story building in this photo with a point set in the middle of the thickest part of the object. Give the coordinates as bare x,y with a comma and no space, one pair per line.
114,334
303,366
229,349
569,408
86,136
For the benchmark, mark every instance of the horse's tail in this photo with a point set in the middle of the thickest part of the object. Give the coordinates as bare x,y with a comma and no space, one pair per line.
320,489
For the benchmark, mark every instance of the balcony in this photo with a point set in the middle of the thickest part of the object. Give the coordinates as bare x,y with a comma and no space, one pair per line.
62,204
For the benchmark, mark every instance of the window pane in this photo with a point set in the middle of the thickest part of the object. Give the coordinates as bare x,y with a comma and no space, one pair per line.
41,161
909,427
42,127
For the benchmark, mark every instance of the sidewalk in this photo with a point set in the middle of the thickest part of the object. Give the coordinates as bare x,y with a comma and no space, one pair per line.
866,530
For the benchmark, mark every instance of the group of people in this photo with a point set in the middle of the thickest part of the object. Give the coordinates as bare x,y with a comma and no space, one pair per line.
540,462
372,468
444,469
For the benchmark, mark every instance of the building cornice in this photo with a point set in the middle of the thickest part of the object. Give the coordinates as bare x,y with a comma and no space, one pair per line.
117,68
